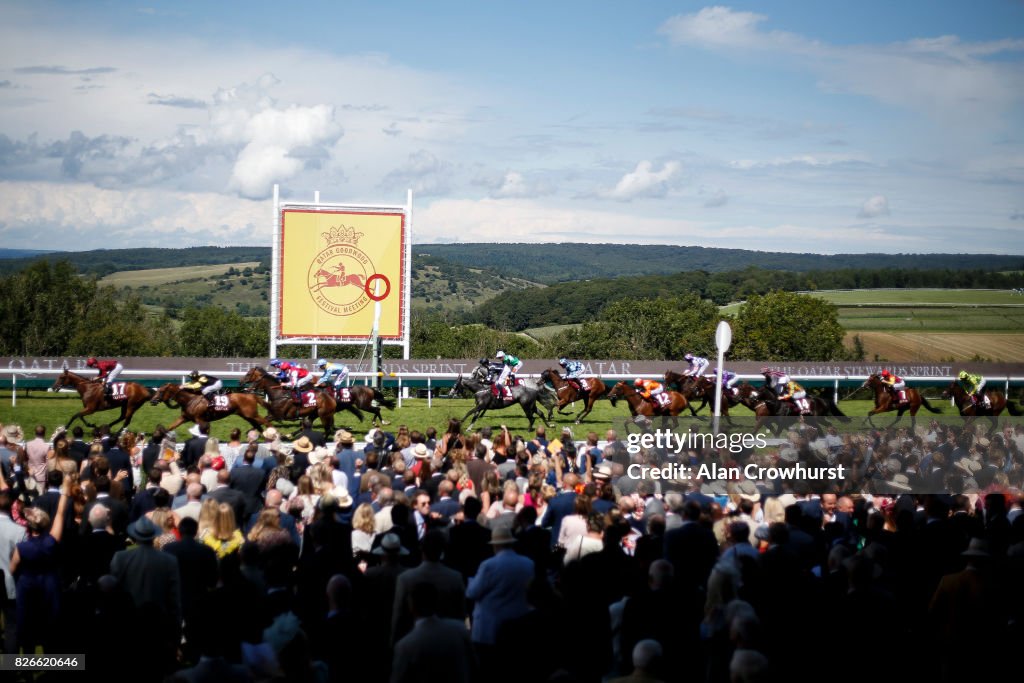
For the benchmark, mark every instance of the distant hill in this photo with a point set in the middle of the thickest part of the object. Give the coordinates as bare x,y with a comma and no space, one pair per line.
102,262
550,263
20,253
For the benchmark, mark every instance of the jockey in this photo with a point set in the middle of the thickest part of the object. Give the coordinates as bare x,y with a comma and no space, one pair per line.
297,378
794,392
697,365
280,369
776,380
108,370
894,384
336,371
512,365
204,383
729,380
648,388
973,385
574,370
491,370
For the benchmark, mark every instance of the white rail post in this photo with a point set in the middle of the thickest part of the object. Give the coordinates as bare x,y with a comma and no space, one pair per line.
430,394
399,391
835,392
14,390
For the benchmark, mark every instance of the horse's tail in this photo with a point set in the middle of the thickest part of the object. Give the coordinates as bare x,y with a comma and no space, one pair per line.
1013,408
833,409
382,399
932,409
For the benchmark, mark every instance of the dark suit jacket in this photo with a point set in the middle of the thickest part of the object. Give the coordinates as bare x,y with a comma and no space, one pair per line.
192,451
451,593
119,460
236,499
535,543
95,552
49,501
118,515
447,507
79,450
149,456
692,550
249,481
151,578
142,503
197,567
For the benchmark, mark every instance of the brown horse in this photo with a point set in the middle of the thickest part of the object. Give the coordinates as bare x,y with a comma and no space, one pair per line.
768,408
886,401
996,399
688,386
640,406
197,408
128,396
569,391
360,398
282,407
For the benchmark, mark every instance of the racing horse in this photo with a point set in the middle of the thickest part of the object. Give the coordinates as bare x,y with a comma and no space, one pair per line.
546,396
768,408
128,396
885,401
568,392
639,406
689,386
526,396
197,408
997,404
282,408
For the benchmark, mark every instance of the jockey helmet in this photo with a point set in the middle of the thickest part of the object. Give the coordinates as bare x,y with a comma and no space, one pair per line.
483,361
91,362
563,362
194,374
638,382
275,363
765,370
886,373
500,354
285,365
321,363
963,374
688,356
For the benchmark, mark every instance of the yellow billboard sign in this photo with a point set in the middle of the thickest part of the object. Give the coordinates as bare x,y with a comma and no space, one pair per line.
333,266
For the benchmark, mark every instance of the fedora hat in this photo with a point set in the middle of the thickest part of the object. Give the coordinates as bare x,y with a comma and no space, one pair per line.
900,482
142,530
337,497
391,544
978,547
319,454
303,445
14,433
748,491
604,471
502,536
343,436
420,451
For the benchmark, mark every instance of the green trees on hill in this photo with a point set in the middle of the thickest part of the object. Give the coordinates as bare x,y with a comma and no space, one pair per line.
783,326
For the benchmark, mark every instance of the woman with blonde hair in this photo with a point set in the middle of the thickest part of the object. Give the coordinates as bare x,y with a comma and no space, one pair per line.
224,537
207,517
306,495
166,521
490,490
363,529
267,531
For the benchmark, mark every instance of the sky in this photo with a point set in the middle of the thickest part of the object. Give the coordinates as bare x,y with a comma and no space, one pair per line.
800,126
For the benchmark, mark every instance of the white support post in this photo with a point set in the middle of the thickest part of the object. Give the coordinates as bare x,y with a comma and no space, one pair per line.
430,395
275,273
835,392
14,391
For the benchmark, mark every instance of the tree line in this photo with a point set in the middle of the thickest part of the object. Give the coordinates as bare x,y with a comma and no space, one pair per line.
577,302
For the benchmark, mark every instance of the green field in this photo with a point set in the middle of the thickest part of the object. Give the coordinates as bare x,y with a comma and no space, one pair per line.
51,411
921,297
163,276
548,331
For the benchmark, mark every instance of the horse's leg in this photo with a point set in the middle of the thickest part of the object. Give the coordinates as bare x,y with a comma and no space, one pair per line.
354,409
529,407
182,419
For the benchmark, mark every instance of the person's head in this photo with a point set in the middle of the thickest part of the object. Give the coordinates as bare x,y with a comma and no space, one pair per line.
739,532
433,545
38,521
363,519
188,527
339,593
224,525
828,503
472,507
646,654
748,666
660,574
54,479
421,501
510,497
423,600
99,517
844,504
269,518
273,499
224,476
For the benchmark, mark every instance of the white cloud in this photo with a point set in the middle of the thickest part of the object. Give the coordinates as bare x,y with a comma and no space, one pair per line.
874,207
644,181
423,173
812,160
942,77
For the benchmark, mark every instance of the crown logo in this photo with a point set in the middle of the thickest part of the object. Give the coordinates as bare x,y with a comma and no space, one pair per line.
341,234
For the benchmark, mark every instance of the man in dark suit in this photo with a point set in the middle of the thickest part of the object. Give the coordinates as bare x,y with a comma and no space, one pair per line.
223,493
197,568
469,542
248,480
97,548
120,461
692,550
561,506
143,501
118,510
316,438
78,448
437,648
448,583
533,541
49,501
195,446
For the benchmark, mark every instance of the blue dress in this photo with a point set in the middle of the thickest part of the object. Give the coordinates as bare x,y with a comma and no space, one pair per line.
37,589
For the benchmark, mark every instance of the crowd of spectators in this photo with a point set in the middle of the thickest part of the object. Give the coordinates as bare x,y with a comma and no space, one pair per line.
487,556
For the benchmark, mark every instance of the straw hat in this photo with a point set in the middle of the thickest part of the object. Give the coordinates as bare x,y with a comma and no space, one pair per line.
303,445
14,433
319,454
420,451
344,436
748,491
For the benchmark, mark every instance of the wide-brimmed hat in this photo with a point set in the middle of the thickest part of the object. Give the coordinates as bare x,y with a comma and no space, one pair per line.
788,454
603,471
901,482
270,434
344,436
968,465
983,442
142,530
978,547
502,536
14,433
303,445
748,491
319,454
370,434
391,544
420,451
337,497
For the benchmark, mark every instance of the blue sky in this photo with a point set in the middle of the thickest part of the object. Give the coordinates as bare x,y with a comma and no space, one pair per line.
790,126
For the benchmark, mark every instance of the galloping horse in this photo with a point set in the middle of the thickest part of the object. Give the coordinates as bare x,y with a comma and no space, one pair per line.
197,408
360,399
128,396
546,396
638,405
282,408
690,387
886,401
524,395
997,404
568,392
768,408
